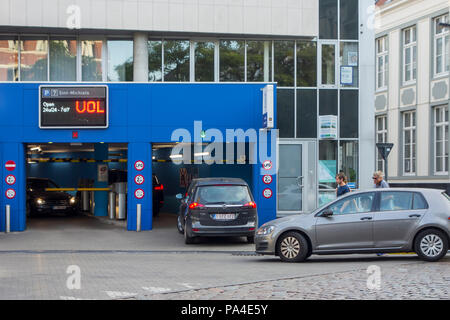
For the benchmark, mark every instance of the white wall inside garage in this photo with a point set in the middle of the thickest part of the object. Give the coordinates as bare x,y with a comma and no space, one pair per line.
268,17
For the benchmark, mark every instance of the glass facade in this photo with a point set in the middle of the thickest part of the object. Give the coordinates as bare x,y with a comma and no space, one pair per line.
34,59
9,59
204,61
259,61
155,60
120,60
232,60
91,60
176,60
306,64
63,64
284,63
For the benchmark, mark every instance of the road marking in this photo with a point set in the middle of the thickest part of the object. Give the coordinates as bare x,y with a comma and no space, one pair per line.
156,289
69,298
187,285
119,294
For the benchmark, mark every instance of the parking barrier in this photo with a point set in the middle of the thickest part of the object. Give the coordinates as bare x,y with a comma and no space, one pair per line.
8,219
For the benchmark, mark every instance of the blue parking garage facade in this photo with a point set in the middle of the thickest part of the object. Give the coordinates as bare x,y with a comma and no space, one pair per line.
139,114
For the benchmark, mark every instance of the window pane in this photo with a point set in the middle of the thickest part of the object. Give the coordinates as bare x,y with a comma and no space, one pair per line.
259,61
204,61
349,114
9,59
327,164
91,60
349,11
285,112
63,54
349,57
284,63
349,160
33,59
232,60
328,64
120,60
155,60
391,201
354,204
306,64
328,102
419,202
176,60
307,113
328,17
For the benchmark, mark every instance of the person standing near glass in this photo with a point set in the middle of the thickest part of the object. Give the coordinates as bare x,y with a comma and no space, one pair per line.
342,187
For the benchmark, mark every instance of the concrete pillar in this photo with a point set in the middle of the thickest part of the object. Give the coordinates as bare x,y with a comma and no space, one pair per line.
101,197
140,57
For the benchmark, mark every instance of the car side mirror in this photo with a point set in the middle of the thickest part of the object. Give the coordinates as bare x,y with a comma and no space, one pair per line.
327,213
179,196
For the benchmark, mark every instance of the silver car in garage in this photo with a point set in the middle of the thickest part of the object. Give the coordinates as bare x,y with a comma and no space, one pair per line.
372,221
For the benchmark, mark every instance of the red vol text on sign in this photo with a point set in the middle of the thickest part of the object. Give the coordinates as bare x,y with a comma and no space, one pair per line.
89,106
10,165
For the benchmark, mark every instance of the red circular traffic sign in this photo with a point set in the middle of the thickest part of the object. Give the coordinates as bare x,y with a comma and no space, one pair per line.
139,193
139,165
10,193
267,179
10,165
267,165
10,179
139,179
267,193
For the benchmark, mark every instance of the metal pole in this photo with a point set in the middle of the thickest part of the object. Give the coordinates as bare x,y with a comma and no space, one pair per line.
386,170
138,217
8,219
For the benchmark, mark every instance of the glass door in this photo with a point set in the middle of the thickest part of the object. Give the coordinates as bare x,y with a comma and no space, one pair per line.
291,177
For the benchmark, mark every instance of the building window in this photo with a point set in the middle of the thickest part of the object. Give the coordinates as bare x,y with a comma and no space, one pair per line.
409,55
284,63
328,19
328,66
349,13
306,113
154,60
176,60
348,119
120,60
259,61
34,59
348,59
306,64
91,60
382,67
381,137
409,142
204,61
63,64
441,46
9,59
348,160
286,113
328,157
232,60
441,138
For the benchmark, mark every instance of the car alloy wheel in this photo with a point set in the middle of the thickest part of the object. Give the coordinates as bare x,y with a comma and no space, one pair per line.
290,247
431,245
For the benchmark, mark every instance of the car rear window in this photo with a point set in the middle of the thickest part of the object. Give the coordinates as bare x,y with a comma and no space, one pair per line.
446,196
220,194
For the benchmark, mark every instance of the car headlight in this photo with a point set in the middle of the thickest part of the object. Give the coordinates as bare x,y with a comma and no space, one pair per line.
40,201
73,200
265,230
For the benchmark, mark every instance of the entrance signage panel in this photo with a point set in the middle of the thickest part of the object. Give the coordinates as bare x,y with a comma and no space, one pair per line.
62,107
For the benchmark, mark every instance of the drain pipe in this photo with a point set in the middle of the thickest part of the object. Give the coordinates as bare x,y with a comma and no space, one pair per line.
138,217
8,219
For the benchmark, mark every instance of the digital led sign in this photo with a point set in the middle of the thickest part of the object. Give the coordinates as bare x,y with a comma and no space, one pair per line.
73,107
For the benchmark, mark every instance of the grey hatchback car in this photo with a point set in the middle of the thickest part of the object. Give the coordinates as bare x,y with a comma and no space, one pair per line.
372,221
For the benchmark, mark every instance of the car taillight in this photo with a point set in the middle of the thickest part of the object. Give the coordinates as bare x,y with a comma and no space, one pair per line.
195,205
160,187
250,204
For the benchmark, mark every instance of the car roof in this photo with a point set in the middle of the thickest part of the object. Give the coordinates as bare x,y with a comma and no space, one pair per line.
421,190
213,181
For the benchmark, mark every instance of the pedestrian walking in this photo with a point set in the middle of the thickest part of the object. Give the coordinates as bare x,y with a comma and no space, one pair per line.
378,180
342,187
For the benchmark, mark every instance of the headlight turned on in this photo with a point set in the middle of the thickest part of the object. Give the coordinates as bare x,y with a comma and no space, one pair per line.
73,200
265,230
40,201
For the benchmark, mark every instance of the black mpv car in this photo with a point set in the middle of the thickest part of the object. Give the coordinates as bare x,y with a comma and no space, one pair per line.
218,207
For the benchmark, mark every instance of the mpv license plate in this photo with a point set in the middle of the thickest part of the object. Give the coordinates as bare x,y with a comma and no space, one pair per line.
59,208
224,216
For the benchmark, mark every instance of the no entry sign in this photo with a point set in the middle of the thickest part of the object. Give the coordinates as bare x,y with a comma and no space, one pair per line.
10,193
10,165
10,179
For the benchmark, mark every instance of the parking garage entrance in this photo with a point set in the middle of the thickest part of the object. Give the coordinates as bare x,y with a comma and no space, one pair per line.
64,180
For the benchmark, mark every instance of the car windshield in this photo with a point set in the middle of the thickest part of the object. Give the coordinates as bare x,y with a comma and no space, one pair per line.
41,184
222,194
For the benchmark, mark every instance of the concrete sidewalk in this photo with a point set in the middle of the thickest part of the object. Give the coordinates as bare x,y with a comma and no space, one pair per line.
87,233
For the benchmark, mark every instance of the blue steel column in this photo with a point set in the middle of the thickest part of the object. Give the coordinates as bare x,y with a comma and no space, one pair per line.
14,152
101,197
139,151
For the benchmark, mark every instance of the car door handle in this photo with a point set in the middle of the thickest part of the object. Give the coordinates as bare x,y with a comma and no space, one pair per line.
414,215
366,218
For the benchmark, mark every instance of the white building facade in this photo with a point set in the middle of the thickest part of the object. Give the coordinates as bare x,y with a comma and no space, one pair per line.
412,91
